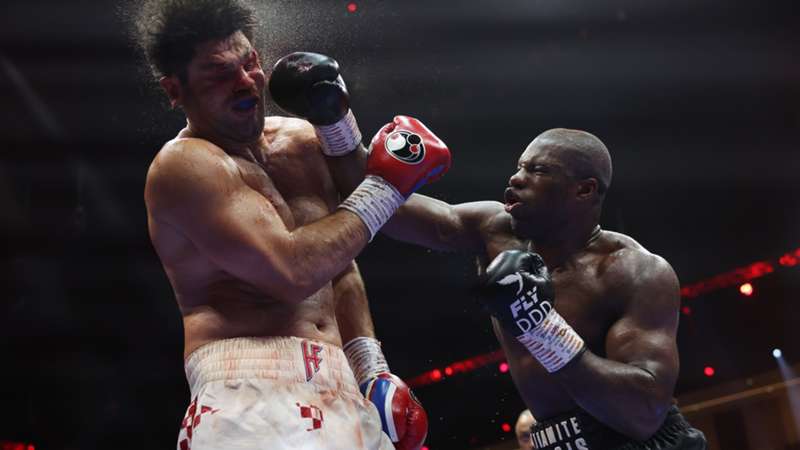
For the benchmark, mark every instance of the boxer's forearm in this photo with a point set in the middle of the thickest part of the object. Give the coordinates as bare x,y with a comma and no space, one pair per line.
354,319
299,266
426,222
417,222
352,306
628,399
348,171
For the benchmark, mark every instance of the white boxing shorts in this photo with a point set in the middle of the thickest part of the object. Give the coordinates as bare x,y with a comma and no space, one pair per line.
277,393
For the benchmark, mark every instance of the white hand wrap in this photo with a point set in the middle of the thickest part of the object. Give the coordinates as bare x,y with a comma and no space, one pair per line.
366,358
340,138
553,343
373,201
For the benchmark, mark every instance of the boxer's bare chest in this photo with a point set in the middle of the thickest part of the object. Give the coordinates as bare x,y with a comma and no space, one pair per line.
294,178
581,294
296,183
582,299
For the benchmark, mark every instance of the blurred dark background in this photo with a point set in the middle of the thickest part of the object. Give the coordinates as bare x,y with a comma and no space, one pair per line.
697,100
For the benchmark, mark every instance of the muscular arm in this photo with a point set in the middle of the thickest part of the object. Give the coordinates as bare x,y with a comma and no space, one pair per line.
352,306
631,390
196,188
422,220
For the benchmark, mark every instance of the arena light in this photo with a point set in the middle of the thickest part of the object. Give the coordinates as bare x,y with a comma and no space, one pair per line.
790,259
741,275
463,366
686,311
352,7
746,289
727,279
505,427
7,445
790,378
709,371
503,367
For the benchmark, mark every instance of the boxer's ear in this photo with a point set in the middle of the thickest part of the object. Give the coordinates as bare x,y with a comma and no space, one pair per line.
172,87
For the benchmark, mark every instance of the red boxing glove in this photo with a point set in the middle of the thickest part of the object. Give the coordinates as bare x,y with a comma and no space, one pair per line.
408,155
403,418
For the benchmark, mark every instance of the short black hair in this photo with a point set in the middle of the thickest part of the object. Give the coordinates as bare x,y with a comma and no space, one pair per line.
168,31
585,154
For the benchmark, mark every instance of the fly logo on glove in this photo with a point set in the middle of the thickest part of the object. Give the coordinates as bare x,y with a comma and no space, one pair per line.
511,279
530,305
518,292
405,146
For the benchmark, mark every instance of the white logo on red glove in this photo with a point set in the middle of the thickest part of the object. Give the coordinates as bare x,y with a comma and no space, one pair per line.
405,146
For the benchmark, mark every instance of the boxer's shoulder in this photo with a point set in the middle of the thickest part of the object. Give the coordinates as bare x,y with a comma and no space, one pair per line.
626,266
497,221
497,232
184,166
488,214
289,130
175,154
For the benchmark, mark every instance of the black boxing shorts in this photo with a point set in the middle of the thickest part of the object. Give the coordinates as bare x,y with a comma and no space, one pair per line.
578,430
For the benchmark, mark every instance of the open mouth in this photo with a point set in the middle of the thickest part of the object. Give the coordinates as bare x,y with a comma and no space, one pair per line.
511,199
245,105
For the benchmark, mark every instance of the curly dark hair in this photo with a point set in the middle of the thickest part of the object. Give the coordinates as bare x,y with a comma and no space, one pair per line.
167,31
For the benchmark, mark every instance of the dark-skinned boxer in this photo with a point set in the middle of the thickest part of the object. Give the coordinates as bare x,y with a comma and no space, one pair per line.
259,249
587,317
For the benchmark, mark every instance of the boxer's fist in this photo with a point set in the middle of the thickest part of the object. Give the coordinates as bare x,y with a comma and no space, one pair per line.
517,291
402,416
408,155
308,85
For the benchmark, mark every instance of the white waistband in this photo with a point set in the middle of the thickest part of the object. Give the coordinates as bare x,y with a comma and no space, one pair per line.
280,359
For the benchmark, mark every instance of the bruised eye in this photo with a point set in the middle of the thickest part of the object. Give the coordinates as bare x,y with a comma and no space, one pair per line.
252,62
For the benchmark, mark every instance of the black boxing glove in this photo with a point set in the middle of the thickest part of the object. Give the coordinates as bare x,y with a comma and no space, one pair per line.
518,292
309,85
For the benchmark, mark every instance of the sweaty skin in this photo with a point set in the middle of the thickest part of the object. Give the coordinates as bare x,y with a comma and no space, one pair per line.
591,297
216,305
242,212
622,299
